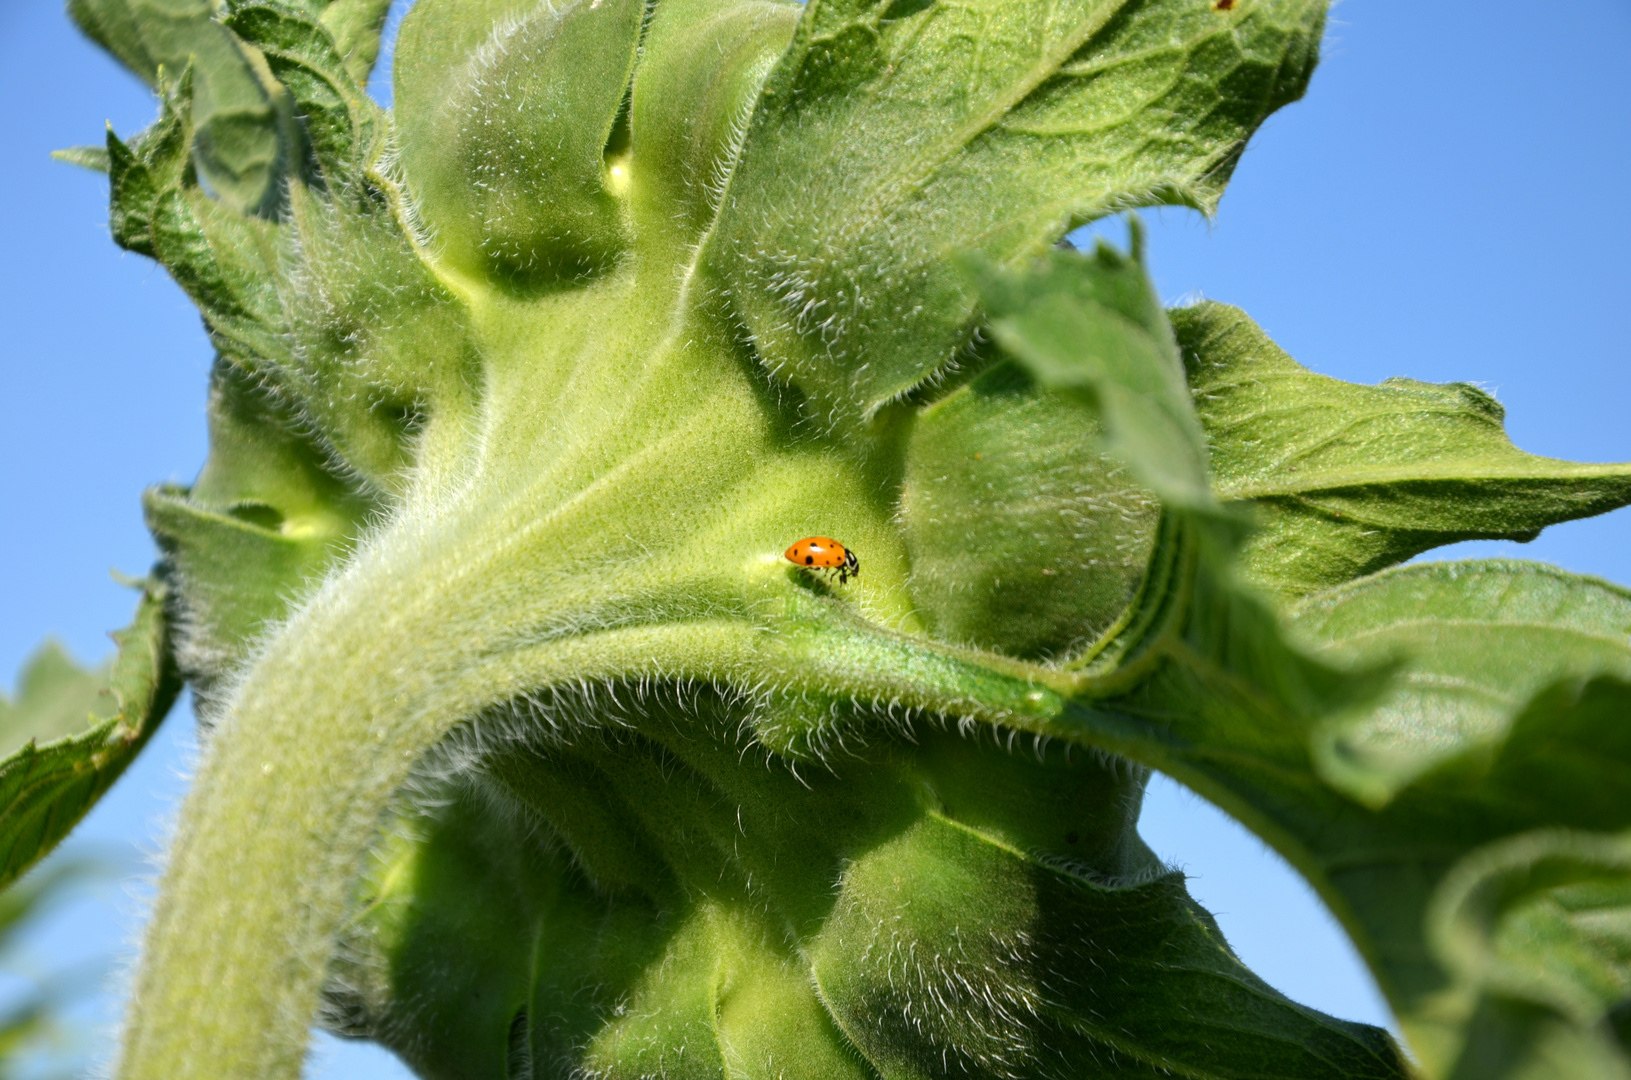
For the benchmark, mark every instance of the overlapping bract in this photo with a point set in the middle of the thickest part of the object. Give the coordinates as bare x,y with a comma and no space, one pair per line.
665,928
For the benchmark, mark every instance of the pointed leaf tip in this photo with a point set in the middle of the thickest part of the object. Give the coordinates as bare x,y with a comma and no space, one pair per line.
1346,479
94,158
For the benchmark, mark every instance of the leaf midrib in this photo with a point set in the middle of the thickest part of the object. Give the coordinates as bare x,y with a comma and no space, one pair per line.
893,189
1427,472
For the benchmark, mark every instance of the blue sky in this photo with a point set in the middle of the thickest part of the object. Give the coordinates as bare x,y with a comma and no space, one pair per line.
1440,207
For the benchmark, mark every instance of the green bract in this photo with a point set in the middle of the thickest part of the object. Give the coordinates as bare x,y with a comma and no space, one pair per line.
529,755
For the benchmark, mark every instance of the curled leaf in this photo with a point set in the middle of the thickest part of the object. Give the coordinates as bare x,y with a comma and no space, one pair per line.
78,731
1536,930
241,133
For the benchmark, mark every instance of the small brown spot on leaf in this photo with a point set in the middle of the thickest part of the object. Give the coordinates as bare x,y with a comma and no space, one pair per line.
1223,5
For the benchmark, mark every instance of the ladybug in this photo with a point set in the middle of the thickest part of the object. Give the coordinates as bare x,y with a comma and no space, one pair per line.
824,553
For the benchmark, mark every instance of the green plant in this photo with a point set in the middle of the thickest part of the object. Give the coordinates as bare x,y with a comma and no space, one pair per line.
39,1038
528,754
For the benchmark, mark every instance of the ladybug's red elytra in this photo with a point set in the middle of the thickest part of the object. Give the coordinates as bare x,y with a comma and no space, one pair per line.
824,553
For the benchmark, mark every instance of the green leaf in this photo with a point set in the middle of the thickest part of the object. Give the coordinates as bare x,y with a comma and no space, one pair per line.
1556,754
340,120
115,25
155,162
1537,927
504,109
1565,762
356,26
886,142
1184,1003
672,805
366,355
1347,479
240,134
362,362
73,755
1476,642
55,697
375,342
1028,531
1093,327
1510,1039
1373,793
1559,756
225,261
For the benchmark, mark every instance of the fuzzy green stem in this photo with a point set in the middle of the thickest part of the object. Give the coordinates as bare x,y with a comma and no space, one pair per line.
286,803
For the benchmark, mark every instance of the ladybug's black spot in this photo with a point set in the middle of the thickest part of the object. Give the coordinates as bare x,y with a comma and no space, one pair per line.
808,559
1071,838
